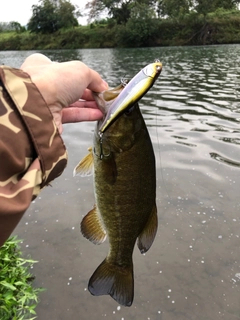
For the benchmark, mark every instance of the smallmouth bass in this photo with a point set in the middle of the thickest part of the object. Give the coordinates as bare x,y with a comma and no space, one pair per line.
123,161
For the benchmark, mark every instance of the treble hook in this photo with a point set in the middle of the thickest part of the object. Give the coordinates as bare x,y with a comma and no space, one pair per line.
124,82
101,155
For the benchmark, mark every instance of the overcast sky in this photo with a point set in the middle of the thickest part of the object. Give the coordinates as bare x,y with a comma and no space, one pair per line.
21,10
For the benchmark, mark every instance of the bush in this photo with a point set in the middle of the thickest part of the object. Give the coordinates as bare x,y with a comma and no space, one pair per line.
18,298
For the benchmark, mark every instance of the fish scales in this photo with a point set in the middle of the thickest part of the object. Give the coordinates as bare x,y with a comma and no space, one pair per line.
126,201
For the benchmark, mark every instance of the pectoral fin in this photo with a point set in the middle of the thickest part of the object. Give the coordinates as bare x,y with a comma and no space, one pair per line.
148,234
92,228
85,166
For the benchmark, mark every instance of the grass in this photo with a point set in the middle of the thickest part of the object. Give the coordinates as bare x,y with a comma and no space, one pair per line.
18,298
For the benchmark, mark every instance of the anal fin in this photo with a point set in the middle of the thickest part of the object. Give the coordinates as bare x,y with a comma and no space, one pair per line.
147,236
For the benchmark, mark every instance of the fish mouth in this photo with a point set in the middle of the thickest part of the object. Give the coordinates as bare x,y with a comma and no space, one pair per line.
116,101
105,99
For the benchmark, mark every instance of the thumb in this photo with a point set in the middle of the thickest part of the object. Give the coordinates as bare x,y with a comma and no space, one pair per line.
96,83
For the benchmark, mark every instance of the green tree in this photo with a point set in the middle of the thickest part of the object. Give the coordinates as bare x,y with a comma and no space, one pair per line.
141,25
205,6
119,10
44,18
16,26
52,15
67,14
11,26
174,8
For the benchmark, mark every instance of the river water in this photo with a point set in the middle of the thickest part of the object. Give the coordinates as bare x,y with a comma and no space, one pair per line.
192,271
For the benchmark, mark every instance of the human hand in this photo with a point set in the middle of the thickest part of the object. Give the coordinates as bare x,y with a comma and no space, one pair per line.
62,85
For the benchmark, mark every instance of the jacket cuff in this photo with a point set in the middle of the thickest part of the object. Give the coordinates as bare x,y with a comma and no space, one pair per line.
38,120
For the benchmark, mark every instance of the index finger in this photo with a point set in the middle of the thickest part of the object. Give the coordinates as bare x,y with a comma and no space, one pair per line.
88,95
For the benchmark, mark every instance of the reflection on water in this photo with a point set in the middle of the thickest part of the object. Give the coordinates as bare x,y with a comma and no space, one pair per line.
192,270
224,160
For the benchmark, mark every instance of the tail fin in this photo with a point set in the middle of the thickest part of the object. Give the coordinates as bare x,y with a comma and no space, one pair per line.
114,280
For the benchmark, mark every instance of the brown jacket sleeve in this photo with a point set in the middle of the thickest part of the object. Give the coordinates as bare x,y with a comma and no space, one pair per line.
32,152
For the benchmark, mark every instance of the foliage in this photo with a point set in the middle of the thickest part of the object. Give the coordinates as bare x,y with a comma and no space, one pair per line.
216,27
95,9
140,27
67,14
11,26
206,6
52,15
18,299
16,26
174,8
4,26
44,18
119,10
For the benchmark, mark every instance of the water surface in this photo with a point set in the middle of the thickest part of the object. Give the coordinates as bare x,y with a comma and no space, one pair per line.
192,271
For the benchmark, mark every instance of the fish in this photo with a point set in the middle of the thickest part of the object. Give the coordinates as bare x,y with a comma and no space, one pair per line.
123,163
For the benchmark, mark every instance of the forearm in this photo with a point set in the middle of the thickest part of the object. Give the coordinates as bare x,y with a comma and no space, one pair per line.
31,150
